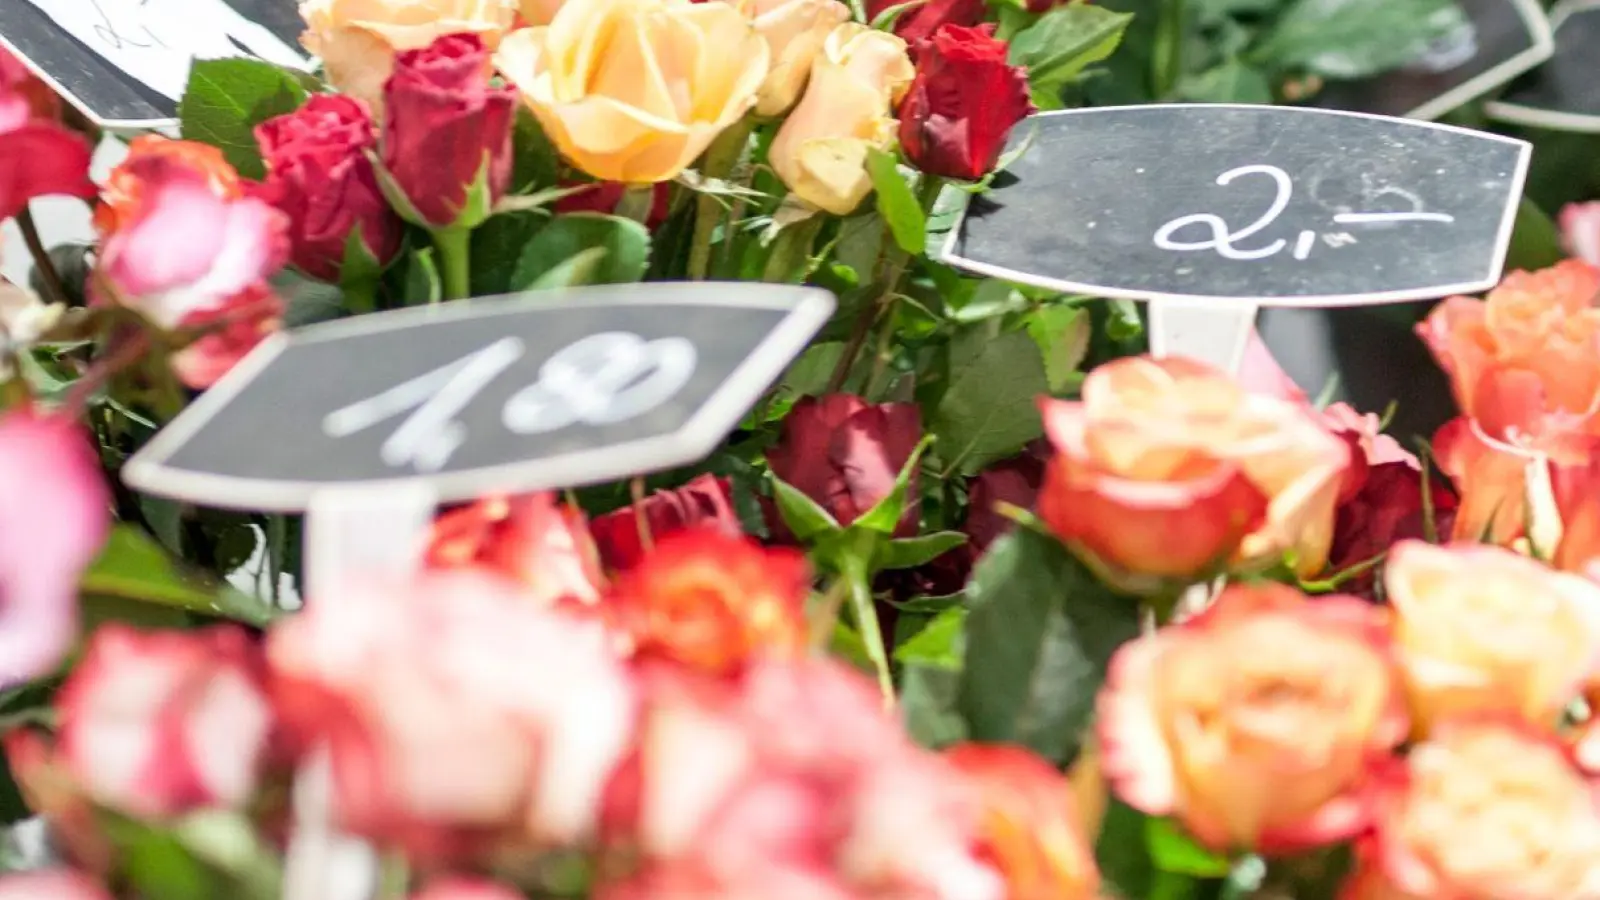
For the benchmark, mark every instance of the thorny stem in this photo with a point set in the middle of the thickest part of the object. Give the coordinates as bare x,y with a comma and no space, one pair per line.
455,262
719,160
53,285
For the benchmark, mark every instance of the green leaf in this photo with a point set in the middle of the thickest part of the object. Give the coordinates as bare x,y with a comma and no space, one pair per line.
989,410
908,553
535,163
578,269
227,98
941,644
1066,40
804,517
1122,852
928,697
1356,38
897,203
626,244
1039,638
1535,240
1230,82
306,300
1062,333
884,516
422,285
134,567
496,248
1172,850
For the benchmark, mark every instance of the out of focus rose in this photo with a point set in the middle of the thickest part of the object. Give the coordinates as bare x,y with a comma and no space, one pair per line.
39,157
1369,446
462,888
1491,479
963,103
1580,231
454,711
55,512
704,503
357,40
1526,361
1486,630
1256,723
1030,827
794,31
540,12
918,23
51,884
159,723
713,601
122,197
532,540
846,453
227,335
1167,468
22,94
635,90
1486,810
821,150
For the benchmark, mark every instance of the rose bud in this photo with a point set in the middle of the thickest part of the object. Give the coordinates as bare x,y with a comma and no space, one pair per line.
704,503
51,884
918,23
1031,826
533,540
1580,231
1013,482
845,454
1167,469
963,104
713,601
1255,723
794,31
1487,809
1388,508
1486,630
159,723
319,175
357,40
642,109
447,132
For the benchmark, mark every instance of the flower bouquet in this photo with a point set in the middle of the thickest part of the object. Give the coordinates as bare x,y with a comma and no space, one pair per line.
980,602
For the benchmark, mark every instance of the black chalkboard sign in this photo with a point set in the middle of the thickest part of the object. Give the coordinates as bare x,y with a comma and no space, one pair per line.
1284,206
509,394
1564,93
1500,40
108,94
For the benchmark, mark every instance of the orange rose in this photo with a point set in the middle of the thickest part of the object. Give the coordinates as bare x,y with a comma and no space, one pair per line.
1030,830
1526,360
1488,811
1485,630
124,190
1256,723
532,540
1167,468
713,601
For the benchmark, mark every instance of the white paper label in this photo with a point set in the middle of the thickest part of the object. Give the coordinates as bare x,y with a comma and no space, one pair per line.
155,41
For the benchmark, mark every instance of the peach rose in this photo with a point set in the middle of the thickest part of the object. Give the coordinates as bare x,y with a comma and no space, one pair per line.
1488,811
794,31
358,39
1486,630
1256,723
1168,468
635,90
821,150
540,12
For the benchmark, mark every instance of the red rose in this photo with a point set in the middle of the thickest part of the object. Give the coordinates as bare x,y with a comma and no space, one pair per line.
702,503
444,122
1016,482
38,157
1388,508
606,196
919,23
318,174
845,454
963,103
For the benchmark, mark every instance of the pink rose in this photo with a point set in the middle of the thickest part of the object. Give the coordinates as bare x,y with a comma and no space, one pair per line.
231,332
38,157
845,454
702,503
1580,231
462,888
532,539
53,884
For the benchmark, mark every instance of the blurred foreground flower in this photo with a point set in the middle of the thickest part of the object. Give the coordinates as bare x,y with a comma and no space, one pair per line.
705,502
1256,723
38,156
845,454
123,195
533,540
459,888
54,515
1580,231
51,884
963,104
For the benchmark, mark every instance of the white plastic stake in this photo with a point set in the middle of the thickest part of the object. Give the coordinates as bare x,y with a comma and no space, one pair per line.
1208,332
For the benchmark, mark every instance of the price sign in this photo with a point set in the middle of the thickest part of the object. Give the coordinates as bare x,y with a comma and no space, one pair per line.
1500,40
1247,204
125,63
1564,93
513,394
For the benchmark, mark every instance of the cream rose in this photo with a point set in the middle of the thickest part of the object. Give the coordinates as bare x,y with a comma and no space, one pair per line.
795,31
635,90
820,152
357,39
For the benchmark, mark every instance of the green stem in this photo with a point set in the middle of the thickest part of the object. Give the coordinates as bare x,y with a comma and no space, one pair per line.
790,250
54,287
1167,58
455,262
866,616
718,162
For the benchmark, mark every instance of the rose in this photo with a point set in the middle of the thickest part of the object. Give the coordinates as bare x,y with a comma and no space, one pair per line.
540,545
462,888
611,198
1580,231
794,31
1388,508
55,512
1573,488
705,502
1486,630
320,176
713,601
22,95
39,157
820,151
963,104
530,706
158,723
1014,482
357,40
641,108
234,330
920,22
123,194
1031,827
1488,810
541,12
51,884
1255,723
1167,468
447,138
845,454
1526,361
